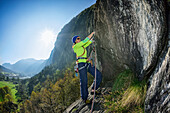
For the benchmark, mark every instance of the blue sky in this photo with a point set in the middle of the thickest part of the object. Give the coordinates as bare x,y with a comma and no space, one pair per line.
28,28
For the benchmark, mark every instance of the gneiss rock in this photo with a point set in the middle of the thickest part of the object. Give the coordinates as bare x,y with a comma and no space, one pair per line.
130,34
158,93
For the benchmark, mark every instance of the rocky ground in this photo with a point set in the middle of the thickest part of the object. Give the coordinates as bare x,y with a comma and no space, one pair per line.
80,107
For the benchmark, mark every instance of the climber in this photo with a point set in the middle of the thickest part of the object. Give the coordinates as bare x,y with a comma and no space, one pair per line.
84,65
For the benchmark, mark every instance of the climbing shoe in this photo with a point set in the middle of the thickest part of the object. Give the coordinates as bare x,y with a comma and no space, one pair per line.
87,101
96,93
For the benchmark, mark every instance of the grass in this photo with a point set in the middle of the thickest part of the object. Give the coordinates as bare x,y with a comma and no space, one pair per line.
135,94
11,86
123,80
128,94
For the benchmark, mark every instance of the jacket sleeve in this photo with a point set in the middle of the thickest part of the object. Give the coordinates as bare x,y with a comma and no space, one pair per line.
87,44
86,40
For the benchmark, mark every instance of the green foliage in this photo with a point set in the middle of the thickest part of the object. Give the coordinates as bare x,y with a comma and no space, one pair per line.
52,90
123,80
37,88
128,94
2,76
6,100
2,94
12,88
8,97
5,94
53,97
22,92
8,107
49,72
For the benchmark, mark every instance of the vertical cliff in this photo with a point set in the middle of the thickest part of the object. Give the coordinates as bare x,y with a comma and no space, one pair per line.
134,34
158,93
130,34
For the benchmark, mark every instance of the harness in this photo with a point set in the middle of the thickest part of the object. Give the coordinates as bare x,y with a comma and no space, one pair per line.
79,57
88,59
83,52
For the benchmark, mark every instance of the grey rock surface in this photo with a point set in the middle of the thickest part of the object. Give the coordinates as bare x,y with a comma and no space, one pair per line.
158,93
80,107
130,34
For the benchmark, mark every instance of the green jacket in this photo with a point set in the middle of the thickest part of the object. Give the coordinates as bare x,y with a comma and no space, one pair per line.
80,48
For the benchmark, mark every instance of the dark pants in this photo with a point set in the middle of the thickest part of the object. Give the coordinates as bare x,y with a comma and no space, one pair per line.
83,78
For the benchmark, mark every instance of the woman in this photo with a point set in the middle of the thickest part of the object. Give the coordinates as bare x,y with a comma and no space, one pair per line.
79,48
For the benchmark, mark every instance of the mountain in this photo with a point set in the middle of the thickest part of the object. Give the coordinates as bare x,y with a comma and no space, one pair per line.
28,67
131,35
3,69
62,54
8,72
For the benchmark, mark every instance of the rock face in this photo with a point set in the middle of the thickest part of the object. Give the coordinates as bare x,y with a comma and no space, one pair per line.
158,93
134,34
130,34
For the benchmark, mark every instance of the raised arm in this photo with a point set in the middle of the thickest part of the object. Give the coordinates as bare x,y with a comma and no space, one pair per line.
87,44
90,36
82,43
85,41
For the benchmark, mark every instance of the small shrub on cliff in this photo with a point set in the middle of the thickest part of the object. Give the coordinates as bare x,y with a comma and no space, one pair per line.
127,94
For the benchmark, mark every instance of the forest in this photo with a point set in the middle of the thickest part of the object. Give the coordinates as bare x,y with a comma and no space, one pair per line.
53,92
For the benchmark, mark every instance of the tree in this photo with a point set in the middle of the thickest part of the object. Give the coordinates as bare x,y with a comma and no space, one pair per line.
18,79
13,78
37,88
28,107
7,89
8,107
2,76
2,94
53,98
35,100
8,97
7,78
6,104
22,92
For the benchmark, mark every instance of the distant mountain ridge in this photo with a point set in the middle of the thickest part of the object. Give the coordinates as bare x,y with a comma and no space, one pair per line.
3,69
8,72
28,67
